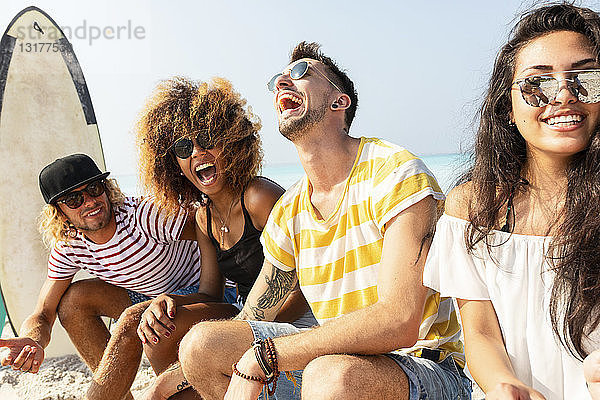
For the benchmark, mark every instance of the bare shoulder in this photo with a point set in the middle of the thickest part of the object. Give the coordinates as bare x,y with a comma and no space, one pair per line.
458,201
201,219
260,197
262,193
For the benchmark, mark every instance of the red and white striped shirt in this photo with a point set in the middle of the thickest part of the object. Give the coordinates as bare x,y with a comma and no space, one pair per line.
144,255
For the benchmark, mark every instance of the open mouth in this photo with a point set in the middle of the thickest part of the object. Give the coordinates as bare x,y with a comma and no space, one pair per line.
564,120
289,101
207,173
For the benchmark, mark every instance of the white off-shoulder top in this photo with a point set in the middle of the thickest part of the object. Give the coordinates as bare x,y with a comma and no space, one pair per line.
518,283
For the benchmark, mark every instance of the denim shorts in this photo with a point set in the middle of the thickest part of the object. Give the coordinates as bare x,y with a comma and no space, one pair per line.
427,379
135,297
430,380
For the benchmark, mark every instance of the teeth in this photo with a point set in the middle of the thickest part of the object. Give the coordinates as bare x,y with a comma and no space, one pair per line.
94,213
203,166
291,97
564,119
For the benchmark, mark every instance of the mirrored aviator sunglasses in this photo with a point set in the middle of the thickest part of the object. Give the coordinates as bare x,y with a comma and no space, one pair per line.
75,198
183,147
298,71
541,90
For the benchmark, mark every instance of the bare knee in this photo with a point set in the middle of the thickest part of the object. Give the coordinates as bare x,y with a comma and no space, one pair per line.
199,350
91,298
130,319
329,377
74,302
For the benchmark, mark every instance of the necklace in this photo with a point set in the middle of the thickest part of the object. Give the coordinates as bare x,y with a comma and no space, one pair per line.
224,228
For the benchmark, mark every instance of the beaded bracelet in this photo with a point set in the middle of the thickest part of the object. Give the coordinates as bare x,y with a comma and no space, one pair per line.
247,377
272,358
271,354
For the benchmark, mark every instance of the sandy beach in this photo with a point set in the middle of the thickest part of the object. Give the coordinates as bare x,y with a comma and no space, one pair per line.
59,378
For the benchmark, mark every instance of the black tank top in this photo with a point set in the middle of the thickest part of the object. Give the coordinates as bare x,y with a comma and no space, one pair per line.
243,261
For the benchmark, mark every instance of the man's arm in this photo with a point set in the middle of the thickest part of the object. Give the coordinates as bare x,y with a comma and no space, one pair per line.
268,293
393,322
27,351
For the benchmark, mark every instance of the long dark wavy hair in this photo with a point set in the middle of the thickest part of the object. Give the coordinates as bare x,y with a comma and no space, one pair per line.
180,107
499,159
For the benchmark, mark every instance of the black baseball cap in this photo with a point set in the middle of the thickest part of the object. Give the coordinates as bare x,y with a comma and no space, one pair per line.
66,174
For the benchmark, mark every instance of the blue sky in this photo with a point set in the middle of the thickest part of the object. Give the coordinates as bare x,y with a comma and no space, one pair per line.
420,67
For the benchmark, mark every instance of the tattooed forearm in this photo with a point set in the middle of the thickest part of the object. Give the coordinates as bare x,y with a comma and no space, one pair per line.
182,385
279,285
258,313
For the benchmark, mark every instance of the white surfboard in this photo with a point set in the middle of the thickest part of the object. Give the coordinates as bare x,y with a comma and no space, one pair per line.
45,113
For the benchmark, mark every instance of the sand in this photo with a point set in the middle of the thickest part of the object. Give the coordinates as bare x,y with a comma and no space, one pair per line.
59,378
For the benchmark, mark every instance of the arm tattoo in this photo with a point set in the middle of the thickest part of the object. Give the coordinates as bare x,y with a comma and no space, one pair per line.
182,385
258,313
279,285
176,366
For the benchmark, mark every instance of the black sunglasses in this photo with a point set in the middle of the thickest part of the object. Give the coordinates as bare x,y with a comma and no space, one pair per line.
75,198
296,72
541,90
183,147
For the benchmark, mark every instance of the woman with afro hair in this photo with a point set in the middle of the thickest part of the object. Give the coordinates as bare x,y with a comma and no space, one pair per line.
200,150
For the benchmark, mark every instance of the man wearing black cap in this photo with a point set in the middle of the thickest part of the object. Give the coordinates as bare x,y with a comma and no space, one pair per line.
135,251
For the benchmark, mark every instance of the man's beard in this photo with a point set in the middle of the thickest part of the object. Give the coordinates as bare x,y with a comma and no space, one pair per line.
293,129
94,226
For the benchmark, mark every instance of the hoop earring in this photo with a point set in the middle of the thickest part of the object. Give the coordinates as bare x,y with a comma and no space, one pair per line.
71,231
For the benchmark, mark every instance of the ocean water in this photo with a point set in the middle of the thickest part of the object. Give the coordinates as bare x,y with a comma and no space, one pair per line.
445,167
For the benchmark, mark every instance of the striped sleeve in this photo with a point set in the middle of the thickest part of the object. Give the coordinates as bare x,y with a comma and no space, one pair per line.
60,266
401,180
157,224
276,239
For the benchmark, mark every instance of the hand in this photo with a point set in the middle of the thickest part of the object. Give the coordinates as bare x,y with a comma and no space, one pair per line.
591,370
157,320
509,391
25,354
244,389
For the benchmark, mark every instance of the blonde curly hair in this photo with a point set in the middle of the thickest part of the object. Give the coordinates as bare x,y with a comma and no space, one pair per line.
54,225
180,107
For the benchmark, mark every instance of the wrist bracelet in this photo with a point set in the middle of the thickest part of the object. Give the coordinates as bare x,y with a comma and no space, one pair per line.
266,357
247,377
259,352
271,354
272,359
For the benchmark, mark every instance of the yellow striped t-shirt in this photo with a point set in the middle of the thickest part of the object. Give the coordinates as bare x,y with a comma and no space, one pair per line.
337,259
